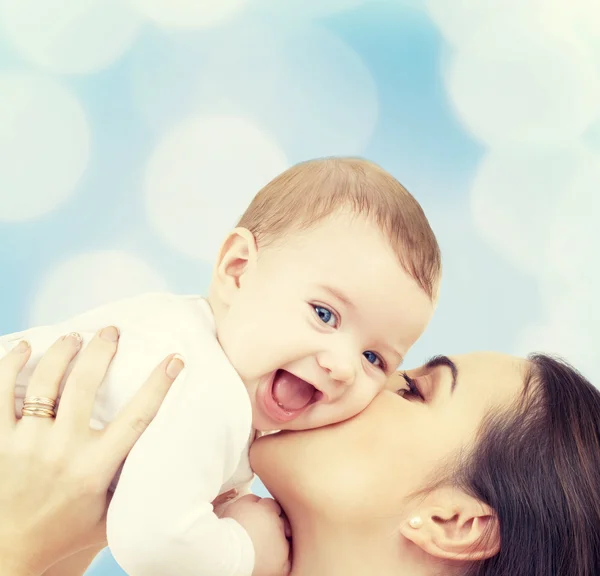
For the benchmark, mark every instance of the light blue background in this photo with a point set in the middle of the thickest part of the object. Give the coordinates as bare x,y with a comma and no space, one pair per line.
130,140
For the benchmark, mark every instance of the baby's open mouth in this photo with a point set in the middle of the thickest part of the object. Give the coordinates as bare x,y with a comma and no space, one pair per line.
287,396
291,393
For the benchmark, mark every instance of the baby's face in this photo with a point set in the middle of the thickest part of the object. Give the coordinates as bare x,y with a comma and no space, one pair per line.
322,320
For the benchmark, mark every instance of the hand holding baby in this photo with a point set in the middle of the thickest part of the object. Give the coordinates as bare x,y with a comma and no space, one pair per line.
262,519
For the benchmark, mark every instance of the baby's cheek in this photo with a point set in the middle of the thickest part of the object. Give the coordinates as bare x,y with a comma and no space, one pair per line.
359,400
368,390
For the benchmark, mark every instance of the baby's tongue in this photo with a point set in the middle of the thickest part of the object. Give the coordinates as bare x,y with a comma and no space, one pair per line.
290,392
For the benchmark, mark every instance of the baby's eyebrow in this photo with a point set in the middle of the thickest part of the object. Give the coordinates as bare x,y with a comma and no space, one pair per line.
389,350
338,294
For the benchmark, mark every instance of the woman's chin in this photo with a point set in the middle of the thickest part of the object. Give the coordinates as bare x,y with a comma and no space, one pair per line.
284,462
262,449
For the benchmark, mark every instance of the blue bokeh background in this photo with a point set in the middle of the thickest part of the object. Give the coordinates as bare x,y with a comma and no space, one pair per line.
133,133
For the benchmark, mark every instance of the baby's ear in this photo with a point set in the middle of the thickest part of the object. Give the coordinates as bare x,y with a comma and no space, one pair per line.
455,526
237,257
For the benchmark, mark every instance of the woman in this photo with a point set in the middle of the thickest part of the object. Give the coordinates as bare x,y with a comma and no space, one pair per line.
479,465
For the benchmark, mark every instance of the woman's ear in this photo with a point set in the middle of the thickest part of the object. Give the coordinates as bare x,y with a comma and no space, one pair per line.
452,525
236,258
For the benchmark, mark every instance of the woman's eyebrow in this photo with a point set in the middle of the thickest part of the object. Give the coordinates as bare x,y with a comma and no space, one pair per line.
444,361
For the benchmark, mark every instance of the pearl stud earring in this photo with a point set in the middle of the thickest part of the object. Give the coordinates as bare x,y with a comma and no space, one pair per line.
415,522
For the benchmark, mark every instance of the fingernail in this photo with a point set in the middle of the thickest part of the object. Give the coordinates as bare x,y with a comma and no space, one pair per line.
175,366
110,333
75,337
21,347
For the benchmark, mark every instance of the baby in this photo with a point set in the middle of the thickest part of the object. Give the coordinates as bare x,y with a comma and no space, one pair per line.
328,280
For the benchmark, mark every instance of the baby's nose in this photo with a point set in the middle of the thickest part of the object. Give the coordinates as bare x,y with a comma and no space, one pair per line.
339,366
343,373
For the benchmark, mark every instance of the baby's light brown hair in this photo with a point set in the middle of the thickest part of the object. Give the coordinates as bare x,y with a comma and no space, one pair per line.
310,191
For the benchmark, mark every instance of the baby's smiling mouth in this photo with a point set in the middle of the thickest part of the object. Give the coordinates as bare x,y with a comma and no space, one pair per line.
287,396
291,393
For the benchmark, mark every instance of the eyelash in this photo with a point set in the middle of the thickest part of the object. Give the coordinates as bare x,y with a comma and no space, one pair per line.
413,389
382,365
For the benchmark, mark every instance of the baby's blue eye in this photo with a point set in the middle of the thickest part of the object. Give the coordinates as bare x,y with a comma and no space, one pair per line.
373,358
326,316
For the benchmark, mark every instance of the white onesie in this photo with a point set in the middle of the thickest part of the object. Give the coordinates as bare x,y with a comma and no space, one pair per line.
161,520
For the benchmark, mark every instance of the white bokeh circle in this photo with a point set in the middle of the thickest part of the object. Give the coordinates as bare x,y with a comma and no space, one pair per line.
512,200
568,328
70,36
585,18
202,176
89,280
44,145
539,210
304,83
522,86
301,82
458,19
188,13
573,241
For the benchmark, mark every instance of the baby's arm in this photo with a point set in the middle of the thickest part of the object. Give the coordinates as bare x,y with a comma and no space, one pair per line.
137,344
160,520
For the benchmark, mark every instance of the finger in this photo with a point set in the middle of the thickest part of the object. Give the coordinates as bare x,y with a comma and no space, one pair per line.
50,371
79,394
121,434
10,366
272,504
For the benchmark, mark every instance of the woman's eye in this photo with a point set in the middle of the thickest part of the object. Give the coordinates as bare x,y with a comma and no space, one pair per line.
412,390
374,359
326,316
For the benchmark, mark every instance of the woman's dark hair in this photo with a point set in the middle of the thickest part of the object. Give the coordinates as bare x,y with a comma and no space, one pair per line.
539,469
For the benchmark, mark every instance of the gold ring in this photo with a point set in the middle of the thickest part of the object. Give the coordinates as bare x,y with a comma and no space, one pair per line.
40,400
39,406
38,412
